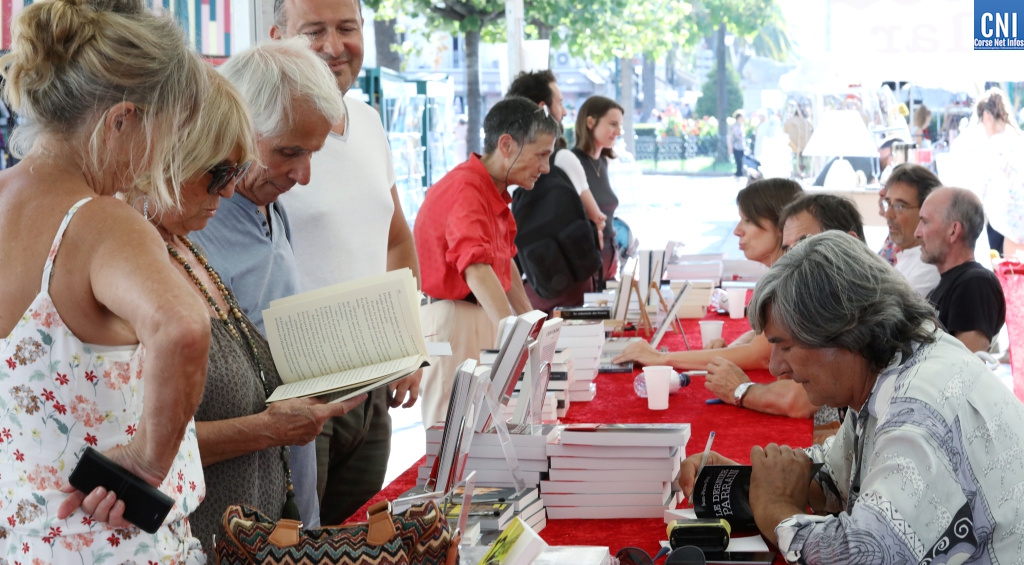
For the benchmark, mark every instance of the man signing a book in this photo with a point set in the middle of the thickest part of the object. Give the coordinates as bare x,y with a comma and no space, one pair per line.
465,241
927,463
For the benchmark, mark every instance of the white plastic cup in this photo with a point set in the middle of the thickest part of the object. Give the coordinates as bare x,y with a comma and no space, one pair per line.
710,330
737,302
657,378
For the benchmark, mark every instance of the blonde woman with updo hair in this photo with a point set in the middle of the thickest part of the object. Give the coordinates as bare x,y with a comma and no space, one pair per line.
96,317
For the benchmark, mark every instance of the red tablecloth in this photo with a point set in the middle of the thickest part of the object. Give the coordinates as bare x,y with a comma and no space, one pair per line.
736,431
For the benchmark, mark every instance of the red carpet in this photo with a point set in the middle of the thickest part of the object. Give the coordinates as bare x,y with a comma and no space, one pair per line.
736,431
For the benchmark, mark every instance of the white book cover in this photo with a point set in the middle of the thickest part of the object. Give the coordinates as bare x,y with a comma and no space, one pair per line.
670,435
585,365
579,353
610,475
518,544
562,355
603,512
478,464
557,449
583,396
489,478
581,328
584,500
612,463
520,435
538,522
582,386
580,342
622,487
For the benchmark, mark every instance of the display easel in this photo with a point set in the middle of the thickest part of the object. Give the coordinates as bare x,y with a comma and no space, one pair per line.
676,323
645,320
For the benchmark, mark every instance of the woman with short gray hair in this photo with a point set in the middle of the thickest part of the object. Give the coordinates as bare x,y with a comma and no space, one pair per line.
927,464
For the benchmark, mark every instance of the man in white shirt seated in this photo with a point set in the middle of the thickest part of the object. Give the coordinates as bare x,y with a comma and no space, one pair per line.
905,190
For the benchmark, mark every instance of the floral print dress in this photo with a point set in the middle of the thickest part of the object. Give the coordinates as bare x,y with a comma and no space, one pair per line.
57,396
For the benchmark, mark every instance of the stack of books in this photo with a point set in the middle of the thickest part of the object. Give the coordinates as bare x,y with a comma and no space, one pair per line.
695,304
584,340
556,401
494,507
488,460
614,470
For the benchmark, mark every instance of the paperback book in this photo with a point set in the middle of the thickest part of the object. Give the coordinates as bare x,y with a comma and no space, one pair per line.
343,340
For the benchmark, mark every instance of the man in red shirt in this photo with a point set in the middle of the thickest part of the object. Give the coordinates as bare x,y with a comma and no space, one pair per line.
465,236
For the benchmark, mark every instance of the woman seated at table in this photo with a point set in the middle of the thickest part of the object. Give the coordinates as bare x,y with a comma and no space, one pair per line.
760,240
242,441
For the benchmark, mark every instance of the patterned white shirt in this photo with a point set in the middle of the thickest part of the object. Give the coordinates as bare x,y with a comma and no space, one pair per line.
931,471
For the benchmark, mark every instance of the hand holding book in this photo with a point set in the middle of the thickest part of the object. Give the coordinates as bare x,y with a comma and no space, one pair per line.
690,466
298,421
780,485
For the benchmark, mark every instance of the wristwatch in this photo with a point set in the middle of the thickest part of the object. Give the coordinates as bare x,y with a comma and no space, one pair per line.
740,392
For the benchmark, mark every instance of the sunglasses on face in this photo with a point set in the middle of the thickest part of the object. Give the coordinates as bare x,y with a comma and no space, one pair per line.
686,555
224,173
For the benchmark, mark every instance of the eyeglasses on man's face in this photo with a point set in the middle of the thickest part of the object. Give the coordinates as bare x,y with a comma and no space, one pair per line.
224,173
898,207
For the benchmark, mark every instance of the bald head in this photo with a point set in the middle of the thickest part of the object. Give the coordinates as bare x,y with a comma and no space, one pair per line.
951,219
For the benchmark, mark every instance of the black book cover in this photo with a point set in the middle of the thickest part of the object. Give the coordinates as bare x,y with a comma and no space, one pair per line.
723,491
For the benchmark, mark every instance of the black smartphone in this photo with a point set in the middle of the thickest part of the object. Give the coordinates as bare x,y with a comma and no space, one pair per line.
144,505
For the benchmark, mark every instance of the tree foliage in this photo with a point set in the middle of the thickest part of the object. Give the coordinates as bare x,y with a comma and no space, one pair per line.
602,30
707,104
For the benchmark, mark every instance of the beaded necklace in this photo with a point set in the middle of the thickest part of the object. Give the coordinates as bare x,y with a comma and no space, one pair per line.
290,510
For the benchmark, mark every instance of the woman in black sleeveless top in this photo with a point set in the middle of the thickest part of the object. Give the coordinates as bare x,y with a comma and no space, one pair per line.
598,125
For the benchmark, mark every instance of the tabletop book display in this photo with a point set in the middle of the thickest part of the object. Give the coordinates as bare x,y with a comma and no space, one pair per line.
583,340
340,341
614,470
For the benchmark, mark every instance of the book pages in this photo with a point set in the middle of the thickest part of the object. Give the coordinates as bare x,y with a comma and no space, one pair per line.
322,333
359,379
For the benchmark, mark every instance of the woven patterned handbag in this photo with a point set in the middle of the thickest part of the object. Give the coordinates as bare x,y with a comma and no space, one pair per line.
418,536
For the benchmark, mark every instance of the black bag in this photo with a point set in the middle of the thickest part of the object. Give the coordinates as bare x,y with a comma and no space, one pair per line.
558,244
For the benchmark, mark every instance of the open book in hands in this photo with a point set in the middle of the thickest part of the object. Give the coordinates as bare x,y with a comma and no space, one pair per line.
341,341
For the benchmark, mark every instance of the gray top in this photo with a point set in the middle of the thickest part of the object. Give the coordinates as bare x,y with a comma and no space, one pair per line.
233,389
256,262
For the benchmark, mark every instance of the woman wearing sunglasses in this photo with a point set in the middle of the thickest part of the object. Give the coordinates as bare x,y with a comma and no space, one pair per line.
243,442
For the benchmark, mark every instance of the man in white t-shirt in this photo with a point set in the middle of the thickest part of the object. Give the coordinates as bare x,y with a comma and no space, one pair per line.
905,190
348,224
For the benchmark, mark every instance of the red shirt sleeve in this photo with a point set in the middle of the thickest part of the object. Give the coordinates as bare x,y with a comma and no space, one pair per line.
470,237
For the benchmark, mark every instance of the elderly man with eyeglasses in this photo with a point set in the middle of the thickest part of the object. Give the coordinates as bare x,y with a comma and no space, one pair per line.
294,103
906,188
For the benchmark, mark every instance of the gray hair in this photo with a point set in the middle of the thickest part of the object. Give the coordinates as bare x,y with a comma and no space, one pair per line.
832,291
965,207
271,77
520,118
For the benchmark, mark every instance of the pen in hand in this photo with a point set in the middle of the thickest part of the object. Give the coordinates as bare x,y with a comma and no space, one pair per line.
703,460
